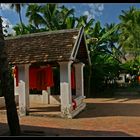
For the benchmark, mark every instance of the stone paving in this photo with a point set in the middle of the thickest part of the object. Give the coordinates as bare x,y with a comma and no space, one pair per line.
102,117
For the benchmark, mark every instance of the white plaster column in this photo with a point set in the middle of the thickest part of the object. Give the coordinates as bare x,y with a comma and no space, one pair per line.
46,95
23,89
79,78
16,92
65,88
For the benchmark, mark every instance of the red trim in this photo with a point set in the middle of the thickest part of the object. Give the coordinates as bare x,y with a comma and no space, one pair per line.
16,75
74,104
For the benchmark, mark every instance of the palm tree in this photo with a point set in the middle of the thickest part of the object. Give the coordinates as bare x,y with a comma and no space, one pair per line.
68,20
56,18
101,41
111,46
52,17
130,31
7,85
27,29
102,46
20,29
17,8
82,21
34,14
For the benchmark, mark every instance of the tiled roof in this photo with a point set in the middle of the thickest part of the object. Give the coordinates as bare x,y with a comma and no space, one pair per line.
42,47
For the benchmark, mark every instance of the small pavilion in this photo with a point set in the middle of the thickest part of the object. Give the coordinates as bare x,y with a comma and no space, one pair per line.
61,48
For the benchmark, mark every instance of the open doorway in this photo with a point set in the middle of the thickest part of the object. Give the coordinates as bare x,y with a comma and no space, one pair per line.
47,102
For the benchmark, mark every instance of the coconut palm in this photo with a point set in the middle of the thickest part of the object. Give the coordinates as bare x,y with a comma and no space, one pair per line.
51,16
130,31
103,48
34,14
82,21
27,29
57,18
101,41
17,7
112,42
68,20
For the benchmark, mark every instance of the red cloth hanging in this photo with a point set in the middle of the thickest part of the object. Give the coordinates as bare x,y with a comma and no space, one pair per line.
41,78
48,80
16,75
43,84
33,77
73,78
45,78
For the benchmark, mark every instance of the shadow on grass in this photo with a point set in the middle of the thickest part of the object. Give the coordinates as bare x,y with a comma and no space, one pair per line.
47,131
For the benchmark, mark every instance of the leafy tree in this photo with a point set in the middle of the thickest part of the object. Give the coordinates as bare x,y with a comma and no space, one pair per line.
17,8
102,42
130,31
34,14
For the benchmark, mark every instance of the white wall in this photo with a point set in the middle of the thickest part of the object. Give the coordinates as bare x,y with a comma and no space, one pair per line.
2,101
54,99
122,80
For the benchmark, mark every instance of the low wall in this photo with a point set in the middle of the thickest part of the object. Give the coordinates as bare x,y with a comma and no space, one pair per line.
45,99
36,99
80,106
2,101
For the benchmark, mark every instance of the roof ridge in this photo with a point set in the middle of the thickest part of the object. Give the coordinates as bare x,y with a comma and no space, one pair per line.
43,33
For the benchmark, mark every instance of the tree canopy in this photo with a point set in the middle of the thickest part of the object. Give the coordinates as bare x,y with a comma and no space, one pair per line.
109,46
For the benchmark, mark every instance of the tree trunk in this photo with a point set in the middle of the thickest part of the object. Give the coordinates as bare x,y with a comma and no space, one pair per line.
21,22
20,17
7,84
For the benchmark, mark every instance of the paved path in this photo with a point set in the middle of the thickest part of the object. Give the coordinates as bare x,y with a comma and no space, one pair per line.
102,117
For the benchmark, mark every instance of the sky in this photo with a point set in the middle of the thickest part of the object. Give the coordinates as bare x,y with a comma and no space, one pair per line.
104,12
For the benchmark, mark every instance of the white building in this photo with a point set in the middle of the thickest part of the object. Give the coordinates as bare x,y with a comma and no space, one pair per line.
61,48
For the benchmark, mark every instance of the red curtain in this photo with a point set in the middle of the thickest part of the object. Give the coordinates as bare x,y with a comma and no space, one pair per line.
41,78
48,76
41,85
33,77
16,74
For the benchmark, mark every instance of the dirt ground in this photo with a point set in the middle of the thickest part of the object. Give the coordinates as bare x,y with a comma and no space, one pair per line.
118,116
